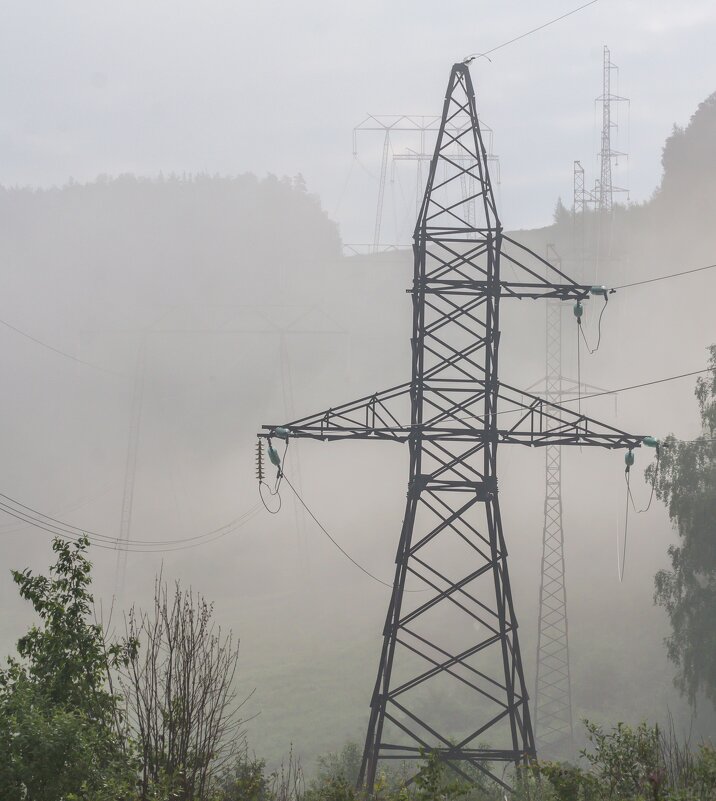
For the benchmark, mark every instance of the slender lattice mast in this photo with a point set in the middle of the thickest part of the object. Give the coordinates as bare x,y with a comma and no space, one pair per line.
605,190
553,695
451,631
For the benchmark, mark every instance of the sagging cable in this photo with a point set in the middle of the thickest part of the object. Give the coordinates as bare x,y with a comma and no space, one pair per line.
649,442
621,558
578,310
596,291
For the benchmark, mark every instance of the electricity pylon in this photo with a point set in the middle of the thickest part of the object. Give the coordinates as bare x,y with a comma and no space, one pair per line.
456,641
605,189
582,198
553,687
424,126
130,469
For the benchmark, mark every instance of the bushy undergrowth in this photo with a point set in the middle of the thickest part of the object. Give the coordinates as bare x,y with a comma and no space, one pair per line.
621,764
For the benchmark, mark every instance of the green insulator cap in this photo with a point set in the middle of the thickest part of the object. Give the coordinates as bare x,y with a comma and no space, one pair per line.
599,290
650,442
578,309
273,456
281,432
629,458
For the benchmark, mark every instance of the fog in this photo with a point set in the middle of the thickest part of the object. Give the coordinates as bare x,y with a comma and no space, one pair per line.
140,211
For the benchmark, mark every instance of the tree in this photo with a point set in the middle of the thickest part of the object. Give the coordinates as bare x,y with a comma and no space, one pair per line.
686,482
561,215
60,721
181,696
343,764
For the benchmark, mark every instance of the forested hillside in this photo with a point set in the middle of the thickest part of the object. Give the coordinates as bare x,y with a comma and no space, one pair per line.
166,240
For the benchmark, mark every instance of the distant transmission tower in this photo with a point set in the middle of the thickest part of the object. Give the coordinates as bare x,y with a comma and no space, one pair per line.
553,694
427,128
582,200
130,471
605,188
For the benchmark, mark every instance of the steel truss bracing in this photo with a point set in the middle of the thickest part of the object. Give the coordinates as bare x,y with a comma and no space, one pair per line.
450,640
553,694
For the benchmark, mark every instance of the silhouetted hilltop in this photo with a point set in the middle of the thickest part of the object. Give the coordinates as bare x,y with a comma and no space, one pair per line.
689,162
168,239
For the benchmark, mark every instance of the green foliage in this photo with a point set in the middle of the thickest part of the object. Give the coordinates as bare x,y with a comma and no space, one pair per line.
53,752
686,483
67,656
629,764
341,765
689,164
567,782
59,722
246,781
433,782
705,771
332,789
624,759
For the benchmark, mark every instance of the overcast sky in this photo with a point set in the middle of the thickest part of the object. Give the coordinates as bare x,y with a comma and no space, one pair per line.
277,86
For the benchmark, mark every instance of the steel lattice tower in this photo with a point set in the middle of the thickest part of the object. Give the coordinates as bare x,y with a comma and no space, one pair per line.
457,640
553,694
605,190
130,471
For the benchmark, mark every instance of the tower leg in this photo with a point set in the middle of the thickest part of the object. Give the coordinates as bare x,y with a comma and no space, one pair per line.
422,673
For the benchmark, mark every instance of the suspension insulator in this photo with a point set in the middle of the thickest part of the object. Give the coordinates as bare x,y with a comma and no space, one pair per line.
578,310
629,459
273,456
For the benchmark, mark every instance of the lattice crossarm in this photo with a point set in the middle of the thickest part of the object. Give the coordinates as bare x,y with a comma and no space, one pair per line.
507,289
539,423
375,416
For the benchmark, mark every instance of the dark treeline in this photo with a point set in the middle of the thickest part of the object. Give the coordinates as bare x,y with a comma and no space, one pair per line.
166,240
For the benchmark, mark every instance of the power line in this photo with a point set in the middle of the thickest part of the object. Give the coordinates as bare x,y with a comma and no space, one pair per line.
616,391
665,277
534,30
638,386
107,370
57,350
325,531
57,527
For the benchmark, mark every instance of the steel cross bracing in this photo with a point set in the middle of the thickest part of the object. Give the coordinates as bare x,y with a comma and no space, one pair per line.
467,185
454,646
553,693
411,123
